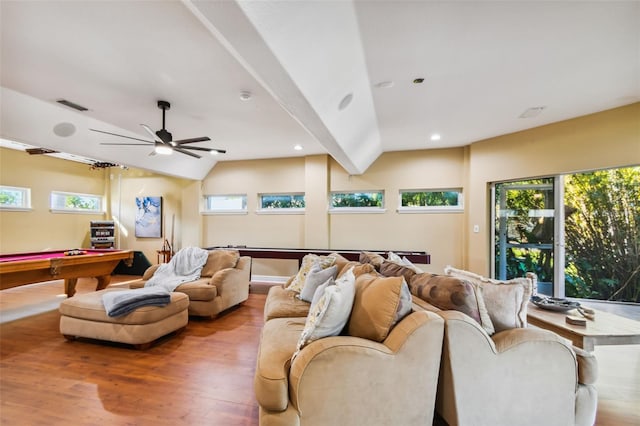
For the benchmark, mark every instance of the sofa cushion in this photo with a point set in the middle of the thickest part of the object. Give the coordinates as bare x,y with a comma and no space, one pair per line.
392,269
316,276
375,306
506,301
340,261
282,303
278,341
219,259
372,258
198,290
329,316
298,281
452,293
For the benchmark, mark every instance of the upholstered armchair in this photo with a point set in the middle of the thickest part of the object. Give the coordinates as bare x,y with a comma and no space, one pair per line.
223,283
521,376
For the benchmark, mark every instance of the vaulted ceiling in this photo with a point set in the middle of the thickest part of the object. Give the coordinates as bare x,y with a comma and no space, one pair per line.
333,77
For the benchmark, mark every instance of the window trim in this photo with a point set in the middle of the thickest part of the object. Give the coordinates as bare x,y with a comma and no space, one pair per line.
100,199
280,210
209,212
459,208
26,195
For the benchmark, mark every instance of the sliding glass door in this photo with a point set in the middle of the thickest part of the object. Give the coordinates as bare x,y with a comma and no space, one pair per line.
525,231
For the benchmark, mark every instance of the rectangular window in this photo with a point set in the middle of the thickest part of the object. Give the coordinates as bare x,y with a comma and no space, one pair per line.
15,198
412,201
281,203
357,202
226,204
71,202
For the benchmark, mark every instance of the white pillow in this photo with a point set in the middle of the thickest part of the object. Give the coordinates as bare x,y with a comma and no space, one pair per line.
406,262
404,305
316,276
320,292
330,315
392,257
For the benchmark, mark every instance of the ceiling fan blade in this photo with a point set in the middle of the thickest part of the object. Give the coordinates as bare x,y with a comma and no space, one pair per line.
151,133
120,136
192,140
182,151
197,148
128,144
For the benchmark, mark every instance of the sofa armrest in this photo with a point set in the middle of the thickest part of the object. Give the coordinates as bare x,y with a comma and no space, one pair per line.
340,372
148,273
587,366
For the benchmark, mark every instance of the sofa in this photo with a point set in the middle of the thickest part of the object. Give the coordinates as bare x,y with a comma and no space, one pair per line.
486,352
374,370
223,283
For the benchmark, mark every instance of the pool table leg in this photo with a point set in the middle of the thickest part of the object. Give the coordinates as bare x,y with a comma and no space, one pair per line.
103,282
70,286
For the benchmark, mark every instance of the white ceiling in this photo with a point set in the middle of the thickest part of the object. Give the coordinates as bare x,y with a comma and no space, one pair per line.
484,63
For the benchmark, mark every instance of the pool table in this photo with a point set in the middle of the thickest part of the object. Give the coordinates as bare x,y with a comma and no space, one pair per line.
26,268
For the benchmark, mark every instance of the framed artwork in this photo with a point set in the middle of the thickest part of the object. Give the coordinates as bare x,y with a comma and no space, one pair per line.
149,217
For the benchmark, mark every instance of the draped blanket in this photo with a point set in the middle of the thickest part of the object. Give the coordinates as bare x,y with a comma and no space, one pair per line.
185,266
117,303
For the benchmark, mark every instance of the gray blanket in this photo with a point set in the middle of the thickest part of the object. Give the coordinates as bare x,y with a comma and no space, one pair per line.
118,303
185,266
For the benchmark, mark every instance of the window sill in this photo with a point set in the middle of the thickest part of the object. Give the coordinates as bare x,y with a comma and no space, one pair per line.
280,211
93,212
16,209
224,212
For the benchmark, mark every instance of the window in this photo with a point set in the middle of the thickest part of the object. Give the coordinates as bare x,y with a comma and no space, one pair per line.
412,201
226,204
15,198
281,203
359,202
70,202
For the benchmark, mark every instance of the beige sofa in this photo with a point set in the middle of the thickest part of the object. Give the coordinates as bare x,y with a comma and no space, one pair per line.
494,373
223,283
348,380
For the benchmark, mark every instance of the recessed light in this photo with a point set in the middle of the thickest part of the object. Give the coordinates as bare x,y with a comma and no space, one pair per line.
435,137
213,152
385,84
532,112
418,80
245,95
64,129
298,147
345,101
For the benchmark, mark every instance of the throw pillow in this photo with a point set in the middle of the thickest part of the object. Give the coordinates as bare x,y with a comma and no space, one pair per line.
392,269
375,306
331,313
218,260
452,293
406,262
506,301
357,267
392,257
307,262
404,307
372,258
315,277
320,292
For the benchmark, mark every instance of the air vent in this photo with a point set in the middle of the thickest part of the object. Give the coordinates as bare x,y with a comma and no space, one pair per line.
39,151
72,105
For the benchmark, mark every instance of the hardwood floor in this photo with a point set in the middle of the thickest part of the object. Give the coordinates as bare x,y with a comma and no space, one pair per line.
203,375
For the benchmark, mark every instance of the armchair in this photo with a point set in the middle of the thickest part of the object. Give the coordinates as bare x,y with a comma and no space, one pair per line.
522,376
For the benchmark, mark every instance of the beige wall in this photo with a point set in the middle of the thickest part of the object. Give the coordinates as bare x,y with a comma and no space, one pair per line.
603,140
40,229
607,139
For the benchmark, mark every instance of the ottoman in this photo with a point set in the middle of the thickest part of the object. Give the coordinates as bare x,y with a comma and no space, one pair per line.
84,316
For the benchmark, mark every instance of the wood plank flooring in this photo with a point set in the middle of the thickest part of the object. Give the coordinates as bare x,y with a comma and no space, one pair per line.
203,375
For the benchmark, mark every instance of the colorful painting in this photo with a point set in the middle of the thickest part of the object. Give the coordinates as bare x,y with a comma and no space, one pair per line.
149,217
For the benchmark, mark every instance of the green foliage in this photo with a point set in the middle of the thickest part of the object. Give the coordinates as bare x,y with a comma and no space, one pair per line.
283,202
8,199
429,198
357,199
81,203
602,234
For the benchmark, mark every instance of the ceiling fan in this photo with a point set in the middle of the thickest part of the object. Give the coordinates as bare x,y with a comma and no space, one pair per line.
163,140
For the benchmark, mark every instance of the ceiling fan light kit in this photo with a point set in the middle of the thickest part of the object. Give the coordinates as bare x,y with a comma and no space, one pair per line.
163,142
